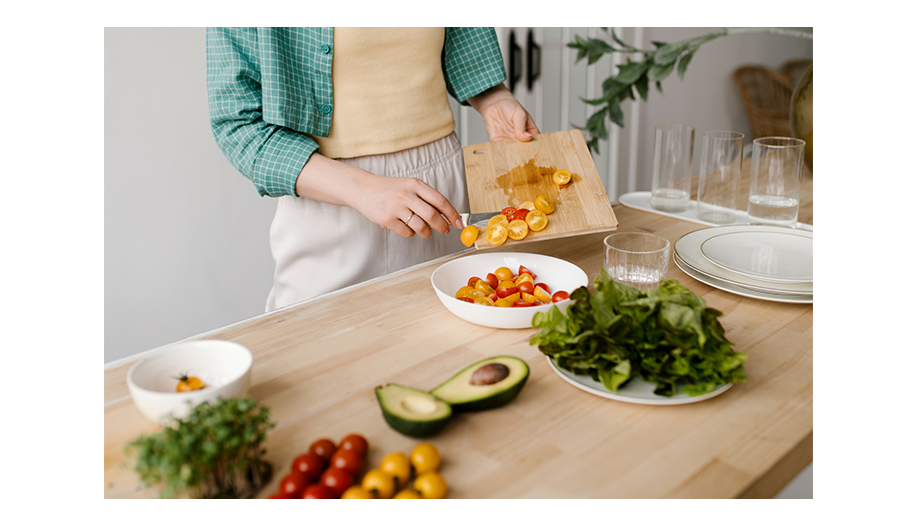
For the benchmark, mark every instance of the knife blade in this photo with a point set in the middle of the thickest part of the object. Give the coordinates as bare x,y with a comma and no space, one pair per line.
477,219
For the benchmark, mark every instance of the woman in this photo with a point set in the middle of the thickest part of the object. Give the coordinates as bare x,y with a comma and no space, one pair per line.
351,129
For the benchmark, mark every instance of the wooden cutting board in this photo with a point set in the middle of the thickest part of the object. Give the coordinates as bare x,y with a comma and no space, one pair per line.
510,172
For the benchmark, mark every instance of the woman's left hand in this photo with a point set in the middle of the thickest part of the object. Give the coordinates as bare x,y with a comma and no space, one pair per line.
504,117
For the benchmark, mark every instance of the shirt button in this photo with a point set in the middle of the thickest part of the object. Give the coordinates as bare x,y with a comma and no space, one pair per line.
326,48
326,109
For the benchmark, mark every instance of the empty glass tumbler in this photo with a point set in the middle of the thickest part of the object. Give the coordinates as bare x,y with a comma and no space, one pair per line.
637,259
776,167
720,176
673,156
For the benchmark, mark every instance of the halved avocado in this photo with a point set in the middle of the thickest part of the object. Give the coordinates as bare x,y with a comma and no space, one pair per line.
412,412
485,384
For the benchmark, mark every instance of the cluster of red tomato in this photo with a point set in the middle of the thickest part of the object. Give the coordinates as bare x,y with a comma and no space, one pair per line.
503,288
325,471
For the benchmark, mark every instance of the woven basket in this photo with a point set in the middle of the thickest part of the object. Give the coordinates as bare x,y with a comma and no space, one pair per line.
793,70
766,95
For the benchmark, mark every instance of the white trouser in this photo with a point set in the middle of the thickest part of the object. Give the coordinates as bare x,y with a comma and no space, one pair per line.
319,247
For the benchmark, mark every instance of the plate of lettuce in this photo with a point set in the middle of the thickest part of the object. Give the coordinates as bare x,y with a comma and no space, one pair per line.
662,346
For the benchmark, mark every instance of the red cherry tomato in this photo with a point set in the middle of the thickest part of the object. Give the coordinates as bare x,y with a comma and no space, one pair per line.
473,280
508,211
317,491
293,484
337,480
278,496
503,292
492,280
523,270
348,460
309,465
469,300
493,297
356,443
526,287
519,214
521,303
544,287
324,448
560,295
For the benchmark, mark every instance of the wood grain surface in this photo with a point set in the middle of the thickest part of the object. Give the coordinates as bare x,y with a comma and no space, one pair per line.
509,173
316,364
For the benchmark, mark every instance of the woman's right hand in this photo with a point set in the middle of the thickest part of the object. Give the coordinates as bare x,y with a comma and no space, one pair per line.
404,205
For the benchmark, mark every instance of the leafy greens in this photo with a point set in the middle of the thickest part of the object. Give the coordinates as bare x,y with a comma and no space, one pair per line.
667,336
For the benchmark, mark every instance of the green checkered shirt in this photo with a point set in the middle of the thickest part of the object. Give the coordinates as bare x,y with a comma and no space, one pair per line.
268,87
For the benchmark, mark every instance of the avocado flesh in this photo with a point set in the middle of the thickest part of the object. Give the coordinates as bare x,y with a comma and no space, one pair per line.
463,396
412,412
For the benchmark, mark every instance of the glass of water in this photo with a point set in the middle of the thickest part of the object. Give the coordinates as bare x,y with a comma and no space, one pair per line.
637,259
720,175
673,155
776,167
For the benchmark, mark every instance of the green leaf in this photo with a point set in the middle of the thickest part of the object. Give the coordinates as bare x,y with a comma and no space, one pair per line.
631,71
659,72
668,53
615,114
683,63
614,377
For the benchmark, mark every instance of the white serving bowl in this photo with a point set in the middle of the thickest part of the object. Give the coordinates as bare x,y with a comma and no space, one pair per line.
224,367
556,273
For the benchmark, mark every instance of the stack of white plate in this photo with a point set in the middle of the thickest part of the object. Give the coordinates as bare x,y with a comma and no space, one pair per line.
762,262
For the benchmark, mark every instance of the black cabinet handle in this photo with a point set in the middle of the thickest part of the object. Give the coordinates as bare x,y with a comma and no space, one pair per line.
515,61
533,52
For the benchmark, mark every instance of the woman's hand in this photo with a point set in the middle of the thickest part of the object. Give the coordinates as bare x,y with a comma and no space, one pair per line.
404,205
504,117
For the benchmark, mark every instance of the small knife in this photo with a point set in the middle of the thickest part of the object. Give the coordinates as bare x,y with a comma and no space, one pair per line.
477,219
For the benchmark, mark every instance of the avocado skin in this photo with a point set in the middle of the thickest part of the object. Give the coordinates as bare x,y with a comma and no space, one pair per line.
412,428
497,400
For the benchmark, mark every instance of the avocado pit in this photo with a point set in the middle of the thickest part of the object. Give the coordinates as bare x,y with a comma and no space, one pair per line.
489,374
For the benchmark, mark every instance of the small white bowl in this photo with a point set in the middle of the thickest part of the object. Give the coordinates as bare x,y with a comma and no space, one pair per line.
556,273
224,367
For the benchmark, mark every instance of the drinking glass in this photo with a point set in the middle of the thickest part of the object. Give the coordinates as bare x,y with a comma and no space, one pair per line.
637,259
720,175
673,155
776,166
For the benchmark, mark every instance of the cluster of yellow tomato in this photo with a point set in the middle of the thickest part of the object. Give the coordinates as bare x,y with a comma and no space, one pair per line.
393,476
503,288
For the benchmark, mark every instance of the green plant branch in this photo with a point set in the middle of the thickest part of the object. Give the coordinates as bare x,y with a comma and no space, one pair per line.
657,64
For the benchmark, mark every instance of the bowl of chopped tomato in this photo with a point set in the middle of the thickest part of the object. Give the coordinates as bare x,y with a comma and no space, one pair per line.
173,379
504,290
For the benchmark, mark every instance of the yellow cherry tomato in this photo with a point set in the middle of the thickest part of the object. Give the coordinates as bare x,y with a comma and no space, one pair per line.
408,493
562,177
425,457
504,273
544,204
528,205
496,234
503,302
528,298
497,219
506,284
513,297
398,466
484,287
186,383
523,278
356,492
537,220
517,229
540,294
379,484
469,235
469,292
431,485
487,302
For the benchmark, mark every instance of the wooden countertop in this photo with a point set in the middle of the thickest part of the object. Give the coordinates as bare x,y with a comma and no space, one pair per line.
316,364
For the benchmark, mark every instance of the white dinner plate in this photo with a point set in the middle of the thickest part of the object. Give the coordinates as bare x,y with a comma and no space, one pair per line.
636,391
688,248
742,291
770,256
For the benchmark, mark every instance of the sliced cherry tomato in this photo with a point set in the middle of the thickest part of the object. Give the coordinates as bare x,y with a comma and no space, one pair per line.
293,484
496,234
468,292
469,235
503,274
528,205
484,287
499,218
544,204
309,465
543,286
528,298
503,302
562,177
560,295
324,448
517,229
487,302
492,280
493,297
521,303
536,220
348,460
337,480
527,287
504,292
186,383
317,491
519,214
523,270
541,294
508,211
506,284
469,300
473,280
524,278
